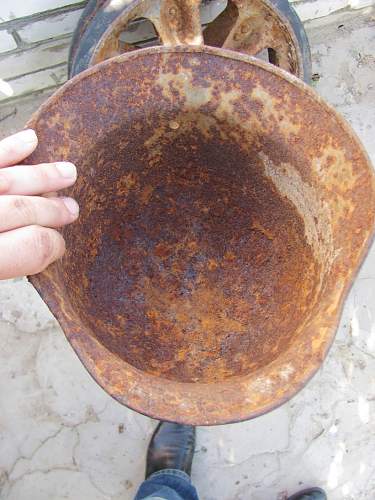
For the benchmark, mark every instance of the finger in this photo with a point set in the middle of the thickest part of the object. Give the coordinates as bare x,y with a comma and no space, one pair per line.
29,250
17,147
37,179
19,211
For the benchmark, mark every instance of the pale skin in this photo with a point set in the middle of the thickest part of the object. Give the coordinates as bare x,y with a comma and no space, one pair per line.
30,209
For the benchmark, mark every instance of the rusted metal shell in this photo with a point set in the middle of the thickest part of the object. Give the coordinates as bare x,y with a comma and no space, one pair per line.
225,210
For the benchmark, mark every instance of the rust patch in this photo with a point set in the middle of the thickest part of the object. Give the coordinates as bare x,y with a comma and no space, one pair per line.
253,26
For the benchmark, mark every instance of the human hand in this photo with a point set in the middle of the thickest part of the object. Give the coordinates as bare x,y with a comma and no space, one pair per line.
28,242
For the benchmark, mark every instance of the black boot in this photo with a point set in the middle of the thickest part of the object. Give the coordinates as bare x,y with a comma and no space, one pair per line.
309,494
171,447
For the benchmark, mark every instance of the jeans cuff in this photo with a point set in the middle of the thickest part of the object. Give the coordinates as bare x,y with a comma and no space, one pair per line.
171,472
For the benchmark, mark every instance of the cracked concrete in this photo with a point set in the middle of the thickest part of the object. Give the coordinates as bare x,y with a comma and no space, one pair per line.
62,437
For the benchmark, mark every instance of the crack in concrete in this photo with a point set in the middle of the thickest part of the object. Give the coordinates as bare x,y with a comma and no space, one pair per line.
74,427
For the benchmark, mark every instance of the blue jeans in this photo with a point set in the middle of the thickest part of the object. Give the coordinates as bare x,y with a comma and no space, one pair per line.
167,484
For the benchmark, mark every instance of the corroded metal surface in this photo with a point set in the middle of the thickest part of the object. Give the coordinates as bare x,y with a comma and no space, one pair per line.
251,26
248,26
225,210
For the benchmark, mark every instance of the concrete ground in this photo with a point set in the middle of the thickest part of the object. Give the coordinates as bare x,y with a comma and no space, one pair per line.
62,437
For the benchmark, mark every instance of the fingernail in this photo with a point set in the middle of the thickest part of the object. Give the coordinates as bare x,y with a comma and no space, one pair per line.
71,205
27,136
66,169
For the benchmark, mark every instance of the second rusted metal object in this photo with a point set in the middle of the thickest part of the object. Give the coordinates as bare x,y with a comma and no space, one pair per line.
254,27
225,210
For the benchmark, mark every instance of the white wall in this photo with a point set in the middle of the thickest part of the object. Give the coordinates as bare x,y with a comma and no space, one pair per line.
35,37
